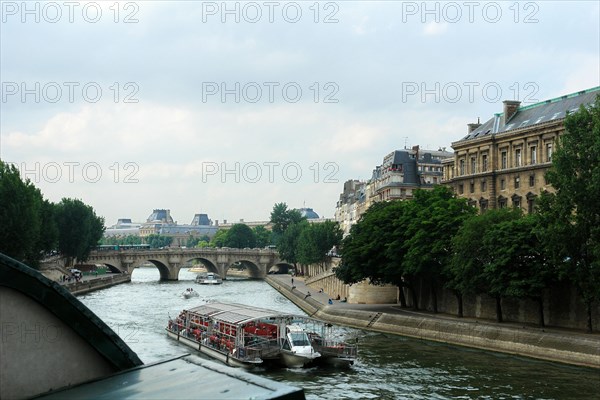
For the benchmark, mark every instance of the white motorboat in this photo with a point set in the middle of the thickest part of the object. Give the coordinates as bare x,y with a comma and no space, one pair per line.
189,293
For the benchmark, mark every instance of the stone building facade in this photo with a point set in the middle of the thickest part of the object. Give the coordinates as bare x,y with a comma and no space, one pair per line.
400,173
503,162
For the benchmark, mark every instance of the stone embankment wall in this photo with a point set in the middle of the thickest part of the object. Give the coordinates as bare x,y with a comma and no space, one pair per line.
570,348
563,306
103,282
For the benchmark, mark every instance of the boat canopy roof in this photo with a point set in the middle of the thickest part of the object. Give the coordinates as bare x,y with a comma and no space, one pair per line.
237,313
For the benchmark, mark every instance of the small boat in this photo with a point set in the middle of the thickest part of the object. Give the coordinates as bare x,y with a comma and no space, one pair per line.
247,336
210,278
189,293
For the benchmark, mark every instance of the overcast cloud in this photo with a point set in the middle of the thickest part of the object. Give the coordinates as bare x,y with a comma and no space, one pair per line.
132,106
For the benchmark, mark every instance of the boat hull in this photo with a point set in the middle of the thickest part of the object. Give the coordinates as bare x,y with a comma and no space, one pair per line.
224,357
293,360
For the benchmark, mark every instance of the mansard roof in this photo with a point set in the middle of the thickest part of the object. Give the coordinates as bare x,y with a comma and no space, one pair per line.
538,113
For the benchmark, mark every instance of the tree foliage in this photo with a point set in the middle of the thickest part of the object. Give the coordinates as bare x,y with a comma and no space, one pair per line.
263,236
21,207
159,241
80,229
282,218
240,236
575,231
316,240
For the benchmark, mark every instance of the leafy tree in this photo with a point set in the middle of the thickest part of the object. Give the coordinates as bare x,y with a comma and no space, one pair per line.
470,266
288,243
48,237
315,240
21,207
158,241
219,239
575,174
368,252
438,216
240,236
263,236
518,266
79,229
282,217
192,241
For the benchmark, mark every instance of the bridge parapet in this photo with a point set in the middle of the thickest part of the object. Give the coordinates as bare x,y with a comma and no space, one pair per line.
169,260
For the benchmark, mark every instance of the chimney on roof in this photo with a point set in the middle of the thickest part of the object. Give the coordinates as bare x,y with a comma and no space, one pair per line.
510,108
472,127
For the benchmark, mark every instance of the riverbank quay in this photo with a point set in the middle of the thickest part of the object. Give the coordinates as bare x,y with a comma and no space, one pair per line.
91,283
551,344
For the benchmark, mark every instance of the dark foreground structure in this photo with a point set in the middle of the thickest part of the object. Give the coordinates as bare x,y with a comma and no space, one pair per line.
52,346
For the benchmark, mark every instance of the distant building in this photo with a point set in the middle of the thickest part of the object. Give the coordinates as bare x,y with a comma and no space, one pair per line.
401,172
503,161
123,227
160,222
308,213
347,209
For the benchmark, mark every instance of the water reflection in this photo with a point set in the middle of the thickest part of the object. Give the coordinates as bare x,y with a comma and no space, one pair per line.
388,366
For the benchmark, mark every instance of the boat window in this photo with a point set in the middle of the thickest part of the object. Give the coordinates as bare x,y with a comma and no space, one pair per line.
299,339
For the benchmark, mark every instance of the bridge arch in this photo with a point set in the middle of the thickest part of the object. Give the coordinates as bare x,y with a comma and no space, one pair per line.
165,273
207,263
169,261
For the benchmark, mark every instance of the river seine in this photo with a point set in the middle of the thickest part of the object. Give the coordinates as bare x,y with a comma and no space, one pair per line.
388,366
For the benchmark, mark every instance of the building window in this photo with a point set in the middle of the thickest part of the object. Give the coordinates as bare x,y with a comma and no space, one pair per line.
549,152
461,189
473,169
484,163
504,159
472,188
483,185
533,155
483,205
516,202
502,184
531,180
517,157
501,202
462,167
517,182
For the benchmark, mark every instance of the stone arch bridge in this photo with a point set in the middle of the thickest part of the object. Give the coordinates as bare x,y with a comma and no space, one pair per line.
169,261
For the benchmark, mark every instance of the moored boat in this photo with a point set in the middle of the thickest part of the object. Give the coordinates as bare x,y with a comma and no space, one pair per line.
210,278
247,336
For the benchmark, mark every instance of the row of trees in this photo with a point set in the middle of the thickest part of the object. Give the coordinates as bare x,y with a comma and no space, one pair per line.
438,239
32,227
300,242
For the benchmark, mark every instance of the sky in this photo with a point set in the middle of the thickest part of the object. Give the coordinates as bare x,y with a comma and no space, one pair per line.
227,108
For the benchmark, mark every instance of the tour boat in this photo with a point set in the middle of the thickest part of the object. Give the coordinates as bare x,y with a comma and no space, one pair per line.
210,278
247,336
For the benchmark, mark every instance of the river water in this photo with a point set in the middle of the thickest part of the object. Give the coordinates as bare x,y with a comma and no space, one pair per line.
388,366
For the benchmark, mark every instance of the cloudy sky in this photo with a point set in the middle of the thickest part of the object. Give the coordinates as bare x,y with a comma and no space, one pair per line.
227,108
